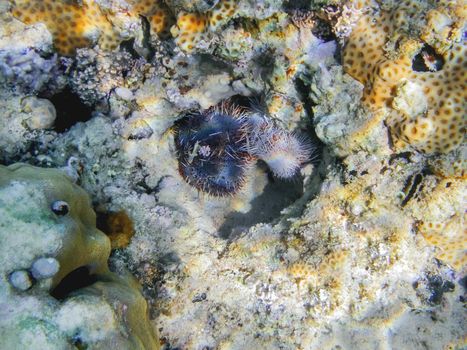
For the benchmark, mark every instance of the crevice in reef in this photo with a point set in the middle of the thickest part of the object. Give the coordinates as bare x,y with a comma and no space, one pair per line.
427,60
70,110
413,185
76,279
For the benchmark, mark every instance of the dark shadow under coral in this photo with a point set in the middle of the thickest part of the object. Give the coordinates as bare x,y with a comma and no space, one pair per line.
277,195
70,110
76,279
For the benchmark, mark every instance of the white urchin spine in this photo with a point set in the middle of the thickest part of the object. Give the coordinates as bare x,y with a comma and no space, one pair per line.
282,151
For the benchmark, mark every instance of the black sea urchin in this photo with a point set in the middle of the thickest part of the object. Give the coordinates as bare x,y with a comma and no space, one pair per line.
212,152
216,147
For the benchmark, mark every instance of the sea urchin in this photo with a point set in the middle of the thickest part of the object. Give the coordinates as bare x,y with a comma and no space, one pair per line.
211,151
216,147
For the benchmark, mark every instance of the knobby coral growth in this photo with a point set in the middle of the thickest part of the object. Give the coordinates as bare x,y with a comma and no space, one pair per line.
217,147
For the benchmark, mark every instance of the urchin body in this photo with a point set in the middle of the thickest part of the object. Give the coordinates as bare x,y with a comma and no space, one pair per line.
216,148
211,152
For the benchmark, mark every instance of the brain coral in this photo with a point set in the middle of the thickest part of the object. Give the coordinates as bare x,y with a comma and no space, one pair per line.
427,105
28,205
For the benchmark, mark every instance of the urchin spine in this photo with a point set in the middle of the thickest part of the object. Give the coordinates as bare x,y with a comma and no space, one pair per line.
283,152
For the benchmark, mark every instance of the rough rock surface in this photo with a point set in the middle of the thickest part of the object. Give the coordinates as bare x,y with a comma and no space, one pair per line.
366,249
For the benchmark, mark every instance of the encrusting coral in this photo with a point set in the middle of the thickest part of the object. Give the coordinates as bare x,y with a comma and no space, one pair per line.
77,24
72,24
50,251
158,14
445,229
189,30
427,107
192,28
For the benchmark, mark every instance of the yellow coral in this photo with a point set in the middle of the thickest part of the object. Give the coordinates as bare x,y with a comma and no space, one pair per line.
189,30
221,13
158,14
118,227
76,24
72,25
439,128
442,221
450,237
330,264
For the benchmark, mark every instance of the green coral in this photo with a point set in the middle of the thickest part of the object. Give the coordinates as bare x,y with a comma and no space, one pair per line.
110,312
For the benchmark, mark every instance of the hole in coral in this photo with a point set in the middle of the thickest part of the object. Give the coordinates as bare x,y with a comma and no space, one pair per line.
463,283
118,226
414,185
411,187
78,343
76,279
70,110
427,60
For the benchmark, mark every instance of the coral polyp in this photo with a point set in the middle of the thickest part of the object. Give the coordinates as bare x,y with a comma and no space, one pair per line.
216,147
211,151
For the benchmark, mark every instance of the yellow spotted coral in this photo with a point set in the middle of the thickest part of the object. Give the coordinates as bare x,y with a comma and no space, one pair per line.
75,24
221,13
438,122
191,28
328,267
442,222
451,239
72,24
157,13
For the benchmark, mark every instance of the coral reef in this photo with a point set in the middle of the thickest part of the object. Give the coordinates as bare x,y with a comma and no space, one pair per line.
362,248
48,234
